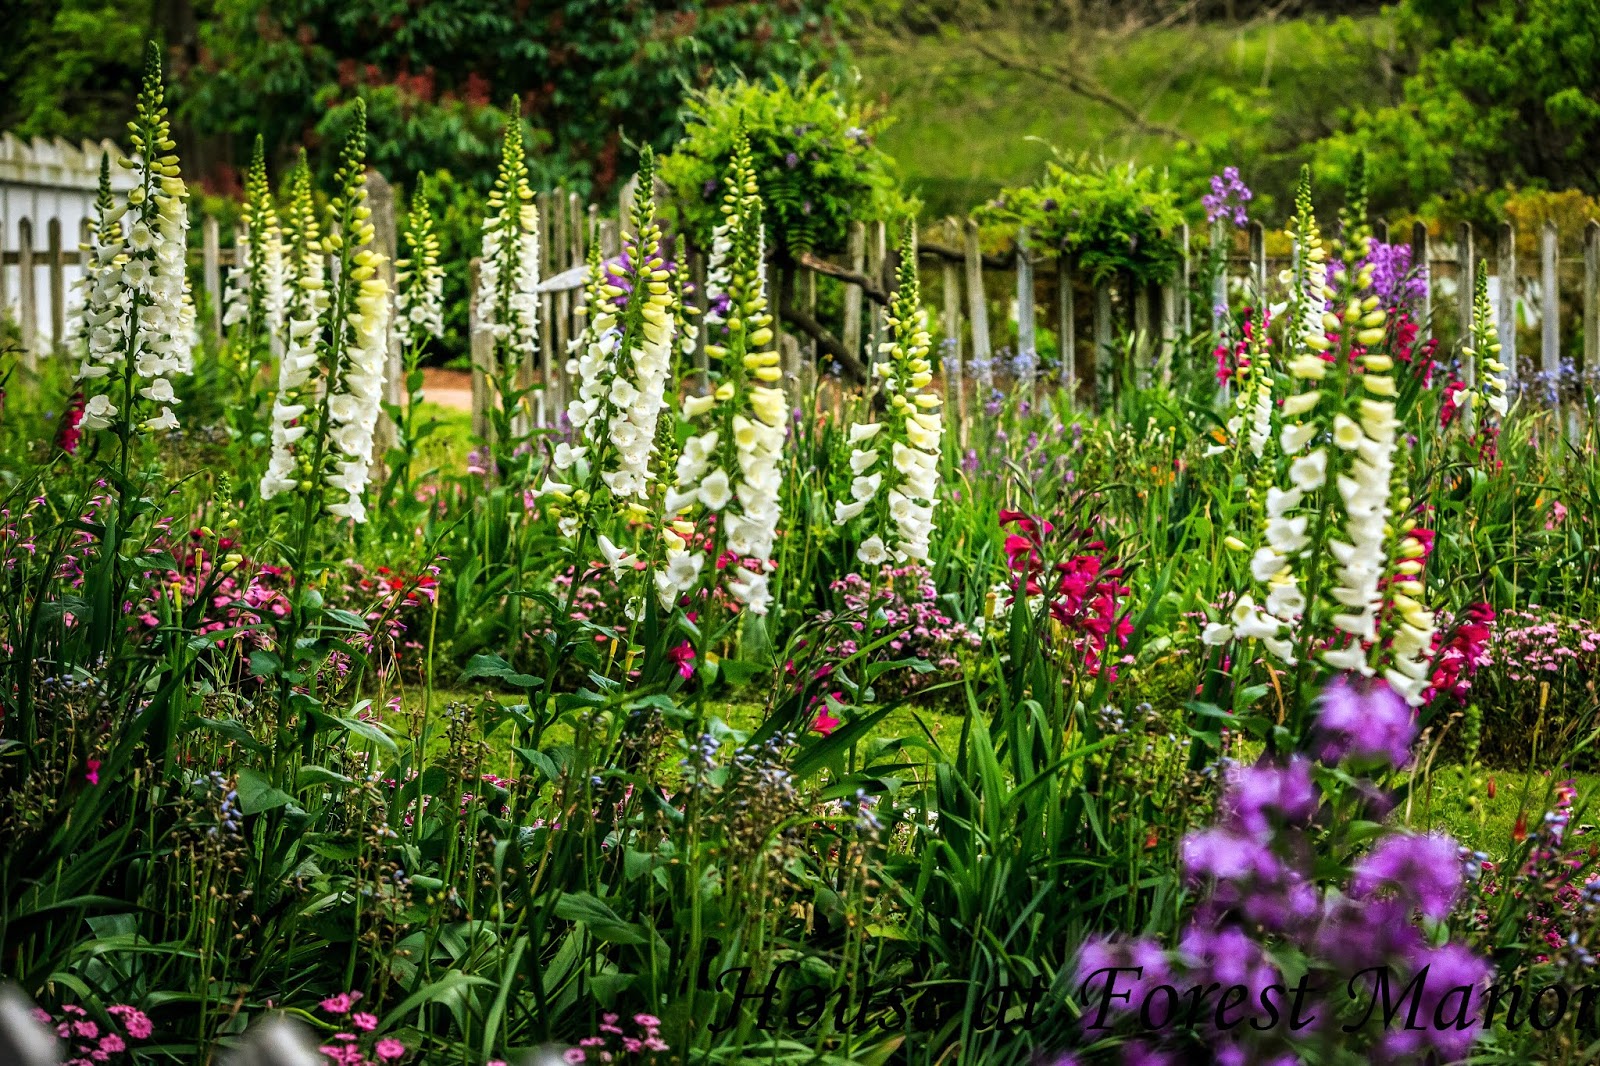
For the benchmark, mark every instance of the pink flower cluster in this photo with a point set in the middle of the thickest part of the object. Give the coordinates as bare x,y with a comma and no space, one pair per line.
345,1046
87,1043
614,1045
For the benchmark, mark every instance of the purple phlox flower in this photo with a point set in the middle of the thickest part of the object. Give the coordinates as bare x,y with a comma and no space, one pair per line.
1449,1006
1262,796
1132,954
1392,278
1229,957
1424,870
1227,198
791,160
1364,720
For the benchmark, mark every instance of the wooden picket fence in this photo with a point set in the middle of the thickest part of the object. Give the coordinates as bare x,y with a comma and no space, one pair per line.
1093,325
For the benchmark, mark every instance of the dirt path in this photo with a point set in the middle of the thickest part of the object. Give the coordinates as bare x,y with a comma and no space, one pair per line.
447,388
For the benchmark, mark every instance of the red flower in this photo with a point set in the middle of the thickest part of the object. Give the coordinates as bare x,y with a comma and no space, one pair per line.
683,655
93,776
68,435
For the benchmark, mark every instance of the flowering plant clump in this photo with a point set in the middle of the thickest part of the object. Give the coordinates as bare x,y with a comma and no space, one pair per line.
1067,576
900,454
354,1045
1268,895
615,1044
88,1042
419,277
1227,198
729,464
917,625
330,388
138,316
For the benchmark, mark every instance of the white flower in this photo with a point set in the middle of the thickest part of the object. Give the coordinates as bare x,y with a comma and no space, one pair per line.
865,487
872,552
620,561
844,512
715,491
1309,471
1216,634
751,589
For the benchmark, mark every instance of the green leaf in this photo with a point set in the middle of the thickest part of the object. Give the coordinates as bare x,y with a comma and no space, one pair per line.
257,794
489,665
264,663
373,731
599,918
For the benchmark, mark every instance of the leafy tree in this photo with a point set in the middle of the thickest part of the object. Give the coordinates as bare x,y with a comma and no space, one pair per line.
815,156
1108,220
71,69
599,79
1505,92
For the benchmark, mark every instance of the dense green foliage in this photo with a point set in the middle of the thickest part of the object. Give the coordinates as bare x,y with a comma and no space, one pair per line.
1504,93
816,156
1108,220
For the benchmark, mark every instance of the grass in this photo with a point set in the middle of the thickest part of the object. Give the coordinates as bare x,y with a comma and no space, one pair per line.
1486,812
967,125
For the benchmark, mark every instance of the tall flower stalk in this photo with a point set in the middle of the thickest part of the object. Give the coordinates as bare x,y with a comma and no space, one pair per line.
254,295
730,465
330,392
419,277
623,360
1484,343
508,286
138,327
895,462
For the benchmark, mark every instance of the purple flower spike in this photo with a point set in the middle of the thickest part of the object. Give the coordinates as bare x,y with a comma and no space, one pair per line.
1263,796
1364,720
1424,870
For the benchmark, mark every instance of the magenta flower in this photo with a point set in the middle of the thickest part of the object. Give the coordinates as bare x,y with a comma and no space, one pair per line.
389,1049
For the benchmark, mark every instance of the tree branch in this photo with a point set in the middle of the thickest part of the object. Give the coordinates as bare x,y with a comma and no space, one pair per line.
1078,84
834,270
827,343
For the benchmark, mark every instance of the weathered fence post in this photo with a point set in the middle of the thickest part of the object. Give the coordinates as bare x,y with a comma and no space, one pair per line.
1550,311
1185,279
1465,289
1141,333
1591,298
1169,333
1027,340
1419,262
482,342
1380,230
1221,249
857,250
977,303
1066,318
877,260
27,293
1104,360
955,390
1506,313
56,263
1258,260
211,262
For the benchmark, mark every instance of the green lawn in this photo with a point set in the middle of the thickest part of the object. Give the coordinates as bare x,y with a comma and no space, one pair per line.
1440,800
963,121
